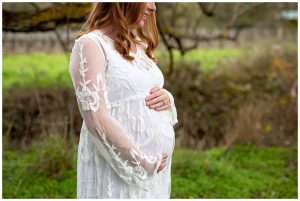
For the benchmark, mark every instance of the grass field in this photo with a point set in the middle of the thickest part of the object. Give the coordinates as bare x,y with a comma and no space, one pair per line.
240,172
40,69
246,171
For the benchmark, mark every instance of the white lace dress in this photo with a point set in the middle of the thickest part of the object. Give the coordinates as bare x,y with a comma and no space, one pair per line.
121,139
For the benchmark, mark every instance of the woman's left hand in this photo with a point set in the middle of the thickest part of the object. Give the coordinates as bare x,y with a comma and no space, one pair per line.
158,99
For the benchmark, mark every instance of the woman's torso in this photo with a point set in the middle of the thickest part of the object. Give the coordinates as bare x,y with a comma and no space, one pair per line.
127,85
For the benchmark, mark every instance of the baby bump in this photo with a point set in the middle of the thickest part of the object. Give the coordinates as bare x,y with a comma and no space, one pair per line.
151,130
167,139
160,130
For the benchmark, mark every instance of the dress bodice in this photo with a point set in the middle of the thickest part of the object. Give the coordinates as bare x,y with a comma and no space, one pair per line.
125,79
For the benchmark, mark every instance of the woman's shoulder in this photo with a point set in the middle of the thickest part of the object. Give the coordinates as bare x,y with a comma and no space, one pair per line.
92,40
91,35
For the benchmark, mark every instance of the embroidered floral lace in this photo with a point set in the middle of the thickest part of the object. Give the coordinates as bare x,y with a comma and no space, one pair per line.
121,139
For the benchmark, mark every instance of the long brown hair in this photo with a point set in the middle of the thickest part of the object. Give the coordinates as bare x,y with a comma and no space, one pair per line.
121,16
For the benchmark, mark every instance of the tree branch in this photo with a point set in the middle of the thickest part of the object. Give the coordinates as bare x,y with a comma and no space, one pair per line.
47,19
209,12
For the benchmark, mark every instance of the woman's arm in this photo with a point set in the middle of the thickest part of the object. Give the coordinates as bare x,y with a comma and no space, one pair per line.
87,69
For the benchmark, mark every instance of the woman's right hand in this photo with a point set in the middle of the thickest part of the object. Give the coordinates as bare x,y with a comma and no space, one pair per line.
163,163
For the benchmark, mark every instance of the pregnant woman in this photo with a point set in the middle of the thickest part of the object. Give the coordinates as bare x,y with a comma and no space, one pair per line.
127,136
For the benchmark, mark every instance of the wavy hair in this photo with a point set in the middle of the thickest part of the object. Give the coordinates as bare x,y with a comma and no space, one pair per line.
122,16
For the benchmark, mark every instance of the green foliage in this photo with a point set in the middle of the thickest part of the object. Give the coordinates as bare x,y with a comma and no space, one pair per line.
38,69
238,172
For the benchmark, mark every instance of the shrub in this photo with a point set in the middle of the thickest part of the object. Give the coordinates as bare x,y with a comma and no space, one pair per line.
249,100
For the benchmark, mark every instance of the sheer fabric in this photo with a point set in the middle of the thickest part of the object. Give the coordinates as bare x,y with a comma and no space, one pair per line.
121,139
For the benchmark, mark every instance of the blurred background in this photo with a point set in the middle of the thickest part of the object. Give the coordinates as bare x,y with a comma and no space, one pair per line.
232,68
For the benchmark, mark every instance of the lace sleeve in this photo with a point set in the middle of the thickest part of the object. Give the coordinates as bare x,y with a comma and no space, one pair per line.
87,69
172,112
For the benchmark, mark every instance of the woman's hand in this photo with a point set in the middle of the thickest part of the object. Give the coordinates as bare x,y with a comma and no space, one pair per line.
158,99
163,163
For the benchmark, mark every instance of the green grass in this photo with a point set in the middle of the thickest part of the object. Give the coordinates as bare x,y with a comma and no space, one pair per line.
37,69
40,69
208,59
239,172
46,170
